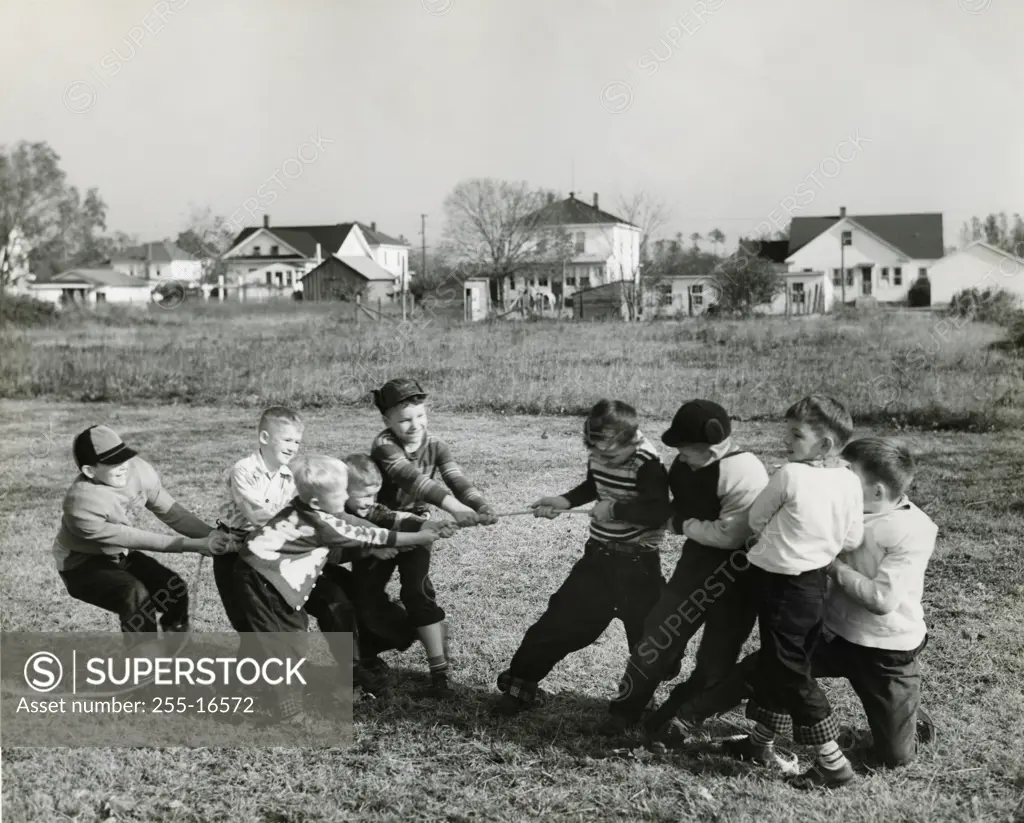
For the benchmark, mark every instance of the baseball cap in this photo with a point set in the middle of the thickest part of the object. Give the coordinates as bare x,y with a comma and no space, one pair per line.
397,391
699,421
100,445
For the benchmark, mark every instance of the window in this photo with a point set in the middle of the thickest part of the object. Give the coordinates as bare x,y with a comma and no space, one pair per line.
797,293
885,275
570,280
273,251
696,295
584,282
101,297
255,251
897,276
837,278
270,278
922,273
280,279
252,269
542,282
849,277
581,242
542,246
512,283
809,270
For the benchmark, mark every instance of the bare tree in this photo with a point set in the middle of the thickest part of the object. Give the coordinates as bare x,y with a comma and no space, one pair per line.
206,237
649,215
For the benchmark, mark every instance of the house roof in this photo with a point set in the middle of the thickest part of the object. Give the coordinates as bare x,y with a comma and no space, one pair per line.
330,237
94,277
162,251
775,250
991,248
361,266
574,212
918,236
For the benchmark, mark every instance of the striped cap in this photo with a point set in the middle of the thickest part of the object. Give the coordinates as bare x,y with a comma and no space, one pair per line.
100,445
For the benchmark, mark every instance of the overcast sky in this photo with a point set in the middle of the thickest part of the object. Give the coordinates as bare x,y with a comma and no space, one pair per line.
720,108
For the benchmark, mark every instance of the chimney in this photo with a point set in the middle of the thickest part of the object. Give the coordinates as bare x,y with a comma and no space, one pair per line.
266,221
373,226
551,197
572,195
595,199
318,257
842,212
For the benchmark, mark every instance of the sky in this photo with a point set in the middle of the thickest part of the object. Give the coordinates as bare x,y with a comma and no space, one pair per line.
733,113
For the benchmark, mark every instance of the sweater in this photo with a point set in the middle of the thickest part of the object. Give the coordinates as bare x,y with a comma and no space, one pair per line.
876,597
292,548
100,520
639,491
805,516
408,478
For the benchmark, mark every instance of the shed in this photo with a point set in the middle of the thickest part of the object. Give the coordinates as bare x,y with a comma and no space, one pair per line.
477,298
606,302
345,278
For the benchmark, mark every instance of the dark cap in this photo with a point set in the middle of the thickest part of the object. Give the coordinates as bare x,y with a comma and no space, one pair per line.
397,391
699,421
100,445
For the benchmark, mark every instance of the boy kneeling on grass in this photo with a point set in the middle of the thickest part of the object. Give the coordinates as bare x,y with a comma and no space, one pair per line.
282,563
874,622
99,551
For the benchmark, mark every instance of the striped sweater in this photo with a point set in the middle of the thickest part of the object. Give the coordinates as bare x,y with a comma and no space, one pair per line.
639,491
291,550
409,477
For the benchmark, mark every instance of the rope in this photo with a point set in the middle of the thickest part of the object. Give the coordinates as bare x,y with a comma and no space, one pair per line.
531,511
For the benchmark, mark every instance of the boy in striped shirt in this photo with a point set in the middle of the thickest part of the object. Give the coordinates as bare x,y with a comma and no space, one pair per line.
409,459
619,574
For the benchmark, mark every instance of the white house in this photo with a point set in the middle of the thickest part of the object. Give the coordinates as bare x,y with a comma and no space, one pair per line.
160,260
265,262
90,287
602,248
978,266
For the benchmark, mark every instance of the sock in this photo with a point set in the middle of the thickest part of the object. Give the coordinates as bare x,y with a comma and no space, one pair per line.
432,638
763,736
831,757
438,667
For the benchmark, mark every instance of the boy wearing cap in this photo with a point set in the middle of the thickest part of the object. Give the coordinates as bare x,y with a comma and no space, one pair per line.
713,485
409,459
99,552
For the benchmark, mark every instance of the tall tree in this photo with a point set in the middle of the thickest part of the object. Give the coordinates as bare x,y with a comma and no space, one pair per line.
206,237
996,230
649,214
695,238
717,237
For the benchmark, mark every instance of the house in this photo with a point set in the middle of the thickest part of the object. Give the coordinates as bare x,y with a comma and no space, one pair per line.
576,246
90,287
979,265
158,260
265,262
349,278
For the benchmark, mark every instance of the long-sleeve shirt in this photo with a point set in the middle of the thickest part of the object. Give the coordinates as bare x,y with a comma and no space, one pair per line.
386,518
639,491
876,599
292,548
99,519
409,478
805,516
255,494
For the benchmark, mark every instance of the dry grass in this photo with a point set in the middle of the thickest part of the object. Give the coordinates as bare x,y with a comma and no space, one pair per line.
415,760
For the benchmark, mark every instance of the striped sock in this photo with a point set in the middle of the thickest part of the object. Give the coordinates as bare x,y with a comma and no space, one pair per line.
438,666
763,736
831,757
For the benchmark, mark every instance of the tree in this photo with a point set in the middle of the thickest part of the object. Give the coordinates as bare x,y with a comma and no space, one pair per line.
716,237
996,230
744,281
490,227
649,215
695,238
206,237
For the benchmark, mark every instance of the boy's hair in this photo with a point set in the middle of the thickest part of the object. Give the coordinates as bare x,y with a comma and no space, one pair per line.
824,414
612,420
317,475
363,473
279,414
884,460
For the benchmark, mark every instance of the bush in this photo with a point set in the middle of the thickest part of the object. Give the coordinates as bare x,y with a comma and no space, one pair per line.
988,306
21,310
920,294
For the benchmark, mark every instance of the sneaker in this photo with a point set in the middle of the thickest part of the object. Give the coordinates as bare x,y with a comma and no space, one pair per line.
672,736
818,777
440,688
372,676
508,706
617,725
925,727
744,748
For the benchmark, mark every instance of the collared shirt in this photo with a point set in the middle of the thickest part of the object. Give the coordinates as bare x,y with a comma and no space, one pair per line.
255,494
876,599
805,516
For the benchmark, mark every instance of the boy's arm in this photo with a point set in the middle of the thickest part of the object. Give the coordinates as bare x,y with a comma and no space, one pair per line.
381,516
166,508
855,531
248,498
740,481
585,492
772,498
90,523
651,507
394,462
904,564
465,492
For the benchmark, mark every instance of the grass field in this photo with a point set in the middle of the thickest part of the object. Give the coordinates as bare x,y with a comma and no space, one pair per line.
416,760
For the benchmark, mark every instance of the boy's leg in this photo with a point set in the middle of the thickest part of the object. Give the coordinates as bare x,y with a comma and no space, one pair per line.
576,615
420,600
167,590
225,578
334,613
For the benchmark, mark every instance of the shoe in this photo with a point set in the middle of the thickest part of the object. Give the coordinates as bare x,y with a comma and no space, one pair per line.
372,676
744,748
617,725
440,688
673,735
926,731
509,706
818,777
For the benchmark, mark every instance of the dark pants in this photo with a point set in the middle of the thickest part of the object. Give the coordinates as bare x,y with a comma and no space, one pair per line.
786,698
708,588
225,576
135,587
602,585
888,684
417,594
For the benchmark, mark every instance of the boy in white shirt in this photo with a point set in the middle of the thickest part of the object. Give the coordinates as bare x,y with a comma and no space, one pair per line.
810,511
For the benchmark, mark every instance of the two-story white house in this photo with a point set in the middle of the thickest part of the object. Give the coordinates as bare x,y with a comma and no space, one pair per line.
159,260
577,246
271,261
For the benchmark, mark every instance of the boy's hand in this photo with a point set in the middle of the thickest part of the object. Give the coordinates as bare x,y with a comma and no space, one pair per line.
550,507
221,543
834,568
383,552
466,518
486,516
443,528
602,511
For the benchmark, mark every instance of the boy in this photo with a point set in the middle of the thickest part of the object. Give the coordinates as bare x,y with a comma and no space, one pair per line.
409,458
619,574
98,550
810,511
874,621
713,485
281,564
